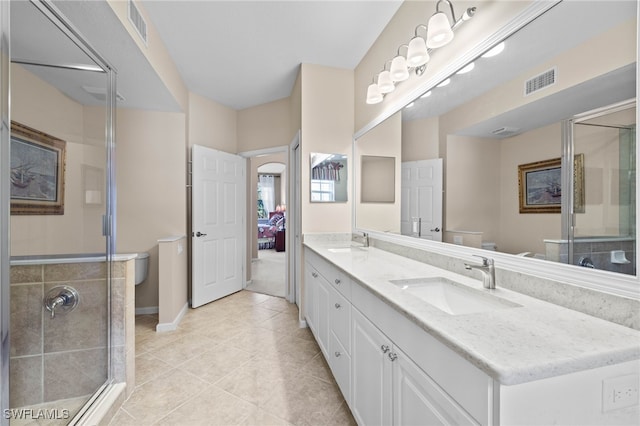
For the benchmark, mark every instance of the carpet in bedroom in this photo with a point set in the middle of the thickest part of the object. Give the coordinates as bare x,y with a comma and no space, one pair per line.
268,273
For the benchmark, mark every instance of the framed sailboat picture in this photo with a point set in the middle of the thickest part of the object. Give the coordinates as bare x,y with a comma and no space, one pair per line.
540,186
37,172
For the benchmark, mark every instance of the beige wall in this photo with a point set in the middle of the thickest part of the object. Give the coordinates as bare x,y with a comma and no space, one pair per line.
151,181
327,126
39,105
211,124
265,126
420,139
383,141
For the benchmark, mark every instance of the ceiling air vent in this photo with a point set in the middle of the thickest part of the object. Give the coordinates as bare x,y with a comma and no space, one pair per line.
505,132
540,81
135,17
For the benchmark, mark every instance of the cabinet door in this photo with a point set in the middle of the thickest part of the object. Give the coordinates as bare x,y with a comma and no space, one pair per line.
322,297
371,400
310,298
340,318
418,400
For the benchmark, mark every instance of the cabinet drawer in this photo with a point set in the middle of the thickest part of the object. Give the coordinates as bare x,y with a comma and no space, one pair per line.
338,279
340,318
340,363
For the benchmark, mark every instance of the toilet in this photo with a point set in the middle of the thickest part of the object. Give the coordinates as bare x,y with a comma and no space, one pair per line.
142,267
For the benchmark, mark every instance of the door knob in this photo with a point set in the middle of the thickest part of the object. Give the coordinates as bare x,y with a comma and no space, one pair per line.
436,229
200,234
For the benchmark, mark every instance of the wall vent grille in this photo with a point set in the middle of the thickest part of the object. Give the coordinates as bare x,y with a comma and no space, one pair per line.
135,17
505,131
539,82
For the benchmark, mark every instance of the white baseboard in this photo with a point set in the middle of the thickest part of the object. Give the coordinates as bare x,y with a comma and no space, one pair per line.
149,310
171,326
302,323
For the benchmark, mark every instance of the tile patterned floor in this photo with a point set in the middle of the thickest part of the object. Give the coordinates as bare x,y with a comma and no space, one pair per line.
241,360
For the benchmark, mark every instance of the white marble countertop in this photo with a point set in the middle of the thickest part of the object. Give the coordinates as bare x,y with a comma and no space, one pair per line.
514,345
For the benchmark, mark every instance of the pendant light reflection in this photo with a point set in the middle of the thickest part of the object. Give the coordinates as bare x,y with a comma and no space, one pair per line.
494,51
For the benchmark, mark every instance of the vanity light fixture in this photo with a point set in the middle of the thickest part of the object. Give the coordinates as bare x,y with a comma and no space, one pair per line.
417,54
399,70
439,32
374,96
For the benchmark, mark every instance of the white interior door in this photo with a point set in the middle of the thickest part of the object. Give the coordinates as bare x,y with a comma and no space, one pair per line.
218,214
421,204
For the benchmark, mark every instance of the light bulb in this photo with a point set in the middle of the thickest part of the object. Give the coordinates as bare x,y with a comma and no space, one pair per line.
373,94
399,70
385,84
439,31
417,54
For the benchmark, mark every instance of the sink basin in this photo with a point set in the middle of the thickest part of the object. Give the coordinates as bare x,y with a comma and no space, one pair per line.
345,249
452,297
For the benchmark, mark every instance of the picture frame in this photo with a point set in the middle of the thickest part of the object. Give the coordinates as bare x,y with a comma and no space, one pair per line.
37,172
540,186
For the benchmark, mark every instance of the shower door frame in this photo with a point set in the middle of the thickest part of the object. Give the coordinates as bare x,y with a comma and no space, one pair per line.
57,18
568,216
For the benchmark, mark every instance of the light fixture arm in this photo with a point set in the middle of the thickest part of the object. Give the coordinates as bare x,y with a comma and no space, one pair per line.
416,30
453,15
468,14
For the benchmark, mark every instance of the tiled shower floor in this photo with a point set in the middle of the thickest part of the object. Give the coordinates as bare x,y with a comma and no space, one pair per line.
241,360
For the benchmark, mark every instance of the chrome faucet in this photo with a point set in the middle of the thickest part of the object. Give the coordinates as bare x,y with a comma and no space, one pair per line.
364,238
487,269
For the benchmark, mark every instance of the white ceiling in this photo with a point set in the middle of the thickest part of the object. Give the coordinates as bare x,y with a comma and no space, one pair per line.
237,53
246,53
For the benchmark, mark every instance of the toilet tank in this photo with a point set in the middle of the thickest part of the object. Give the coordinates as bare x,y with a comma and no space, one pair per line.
142,267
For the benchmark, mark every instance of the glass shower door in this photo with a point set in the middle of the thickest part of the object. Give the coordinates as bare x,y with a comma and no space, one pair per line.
602,230
61,208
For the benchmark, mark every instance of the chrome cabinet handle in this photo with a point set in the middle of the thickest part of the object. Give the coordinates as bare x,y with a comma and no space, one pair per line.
392,356
200,234
337,354
337,305
436,229
384,349
314,275
337,281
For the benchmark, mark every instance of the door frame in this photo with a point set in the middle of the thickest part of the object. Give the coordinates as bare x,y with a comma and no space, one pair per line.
291,211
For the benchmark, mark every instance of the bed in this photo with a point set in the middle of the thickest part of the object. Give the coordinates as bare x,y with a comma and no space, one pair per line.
269,230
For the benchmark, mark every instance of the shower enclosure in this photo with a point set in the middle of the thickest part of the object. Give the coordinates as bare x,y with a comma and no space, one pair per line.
600,212
57,146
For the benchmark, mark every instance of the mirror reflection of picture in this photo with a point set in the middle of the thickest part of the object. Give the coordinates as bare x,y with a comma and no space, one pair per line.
328,178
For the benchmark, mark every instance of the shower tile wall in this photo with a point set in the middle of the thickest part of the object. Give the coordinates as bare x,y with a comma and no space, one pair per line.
65,356
598,251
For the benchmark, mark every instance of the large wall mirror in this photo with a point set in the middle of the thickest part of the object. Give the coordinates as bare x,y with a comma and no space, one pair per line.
522,102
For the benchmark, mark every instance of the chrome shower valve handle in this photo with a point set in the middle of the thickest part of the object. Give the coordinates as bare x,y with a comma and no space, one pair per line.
61,299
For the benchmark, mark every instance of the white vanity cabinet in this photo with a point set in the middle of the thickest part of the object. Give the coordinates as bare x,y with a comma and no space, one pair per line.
329,316
390,371
390,389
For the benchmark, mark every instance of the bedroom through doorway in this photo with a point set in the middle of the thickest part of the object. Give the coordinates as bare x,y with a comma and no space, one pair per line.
268,260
